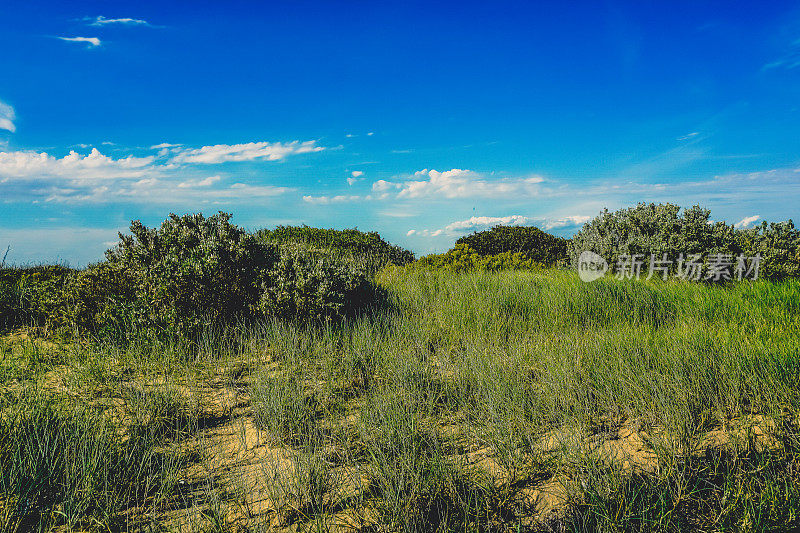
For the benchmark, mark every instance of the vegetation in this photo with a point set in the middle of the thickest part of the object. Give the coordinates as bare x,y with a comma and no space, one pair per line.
462,258
368,248
664,229
529,241
480,393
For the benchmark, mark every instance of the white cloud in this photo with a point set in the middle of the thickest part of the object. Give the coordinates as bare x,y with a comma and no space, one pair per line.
205,182
7,117
458,183
164,145
325,200
575,220
96,178
93,42
102,21
95,165
746,221
357,173
476,223
221,153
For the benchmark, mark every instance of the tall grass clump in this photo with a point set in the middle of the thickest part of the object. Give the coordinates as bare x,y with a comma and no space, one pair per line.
61,465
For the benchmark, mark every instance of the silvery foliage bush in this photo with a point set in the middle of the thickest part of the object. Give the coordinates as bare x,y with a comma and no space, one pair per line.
665,228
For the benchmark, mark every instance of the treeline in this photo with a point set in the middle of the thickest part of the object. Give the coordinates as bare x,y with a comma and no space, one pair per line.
195,271
645,229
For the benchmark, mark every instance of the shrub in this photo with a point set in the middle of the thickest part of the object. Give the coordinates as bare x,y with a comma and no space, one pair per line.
369,247
529,241
463,258
192,270
308,285
662,228
32,295
779,246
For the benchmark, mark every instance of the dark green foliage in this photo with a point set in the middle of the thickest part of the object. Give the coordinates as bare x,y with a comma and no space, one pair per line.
530,241
779,246
98,299
310,285
191,271
462,258
352,242
31,295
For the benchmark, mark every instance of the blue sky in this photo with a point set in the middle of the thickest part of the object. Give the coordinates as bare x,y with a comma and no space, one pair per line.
423,122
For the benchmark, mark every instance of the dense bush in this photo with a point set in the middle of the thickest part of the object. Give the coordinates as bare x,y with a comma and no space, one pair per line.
31,295
311,284
779,246
192,270
463,258
664,229
529,241
369,247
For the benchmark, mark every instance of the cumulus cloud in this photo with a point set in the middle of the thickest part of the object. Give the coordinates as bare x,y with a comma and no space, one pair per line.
357,173
97,178
7,117
222,153
459,183
746,221
93,42
102,21
95,165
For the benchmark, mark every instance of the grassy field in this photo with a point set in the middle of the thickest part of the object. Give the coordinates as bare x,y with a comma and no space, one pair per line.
512,401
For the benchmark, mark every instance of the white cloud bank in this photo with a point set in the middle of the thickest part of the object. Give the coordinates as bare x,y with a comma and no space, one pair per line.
97,178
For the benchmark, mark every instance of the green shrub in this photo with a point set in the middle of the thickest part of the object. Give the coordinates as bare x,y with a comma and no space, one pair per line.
529,241
308,285
369,247
779,246
191,271
32,295
463,258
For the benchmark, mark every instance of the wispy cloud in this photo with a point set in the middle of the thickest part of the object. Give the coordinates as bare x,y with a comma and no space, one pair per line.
790,60
93,42
461,227
746,221
103,21
7,117
222,153
338,199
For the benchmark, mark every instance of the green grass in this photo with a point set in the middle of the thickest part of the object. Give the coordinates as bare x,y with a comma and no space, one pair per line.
445,412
